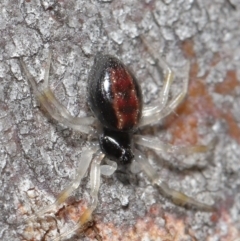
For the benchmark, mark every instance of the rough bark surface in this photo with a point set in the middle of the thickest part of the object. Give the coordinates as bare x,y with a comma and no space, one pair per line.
38,157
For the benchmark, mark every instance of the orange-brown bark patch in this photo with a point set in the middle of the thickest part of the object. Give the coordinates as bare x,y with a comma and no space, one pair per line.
199,104
228,85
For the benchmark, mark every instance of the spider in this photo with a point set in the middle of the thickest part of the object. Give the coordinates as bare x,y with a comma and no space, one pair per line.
115,99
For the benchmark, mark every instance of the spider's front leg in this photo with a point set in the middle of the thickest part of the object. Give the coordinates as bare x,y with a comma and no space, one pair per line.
177,197
86,217
158,145
53,107
81,171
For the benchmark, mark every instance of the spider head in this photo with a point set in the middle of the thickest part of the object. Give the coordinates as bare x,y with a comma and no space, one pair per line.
116,145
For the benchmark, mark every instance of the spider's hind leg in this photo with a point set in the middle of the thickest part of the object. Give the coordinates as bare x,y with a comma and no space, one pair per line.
161,107
52,106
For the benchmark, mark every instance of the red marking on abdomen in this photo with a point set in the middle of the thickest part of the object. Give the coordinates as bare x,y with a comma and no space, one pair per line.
125,99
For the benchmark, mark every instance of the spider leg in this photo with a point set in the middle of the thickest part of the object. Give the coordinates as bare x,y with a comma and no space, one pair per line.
177,197
108,168
173,104
53,107
161,108
158,145
82,168
86,217
159,104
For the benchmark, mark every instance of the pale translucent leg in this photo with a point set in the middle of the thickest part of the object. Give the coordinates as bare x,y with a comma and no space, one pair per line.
109,168
94,185
161,101
53,107
83,166
161,109
177,197
156,144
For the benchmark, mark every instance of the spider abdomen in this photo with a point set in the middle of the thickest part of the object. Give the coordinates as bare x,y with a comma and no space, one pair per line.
114,94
